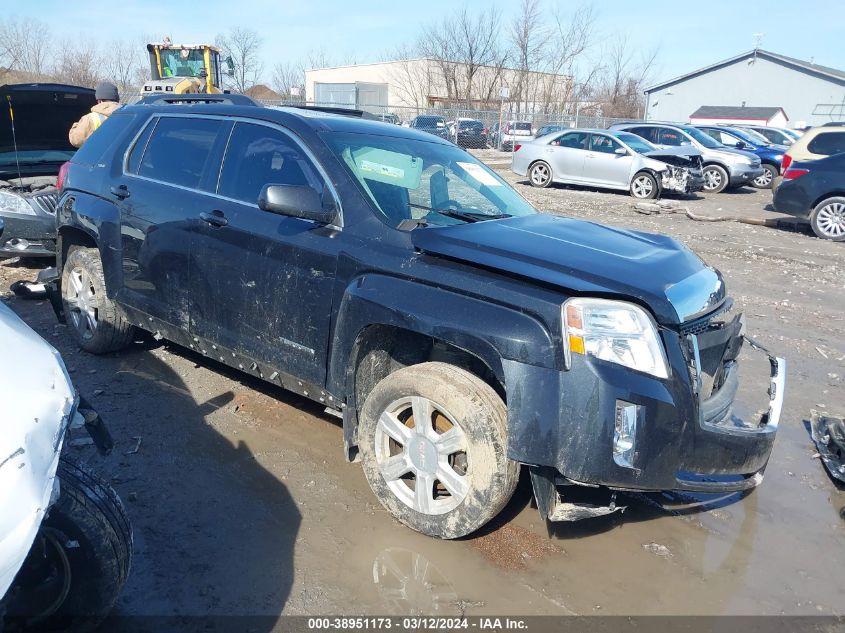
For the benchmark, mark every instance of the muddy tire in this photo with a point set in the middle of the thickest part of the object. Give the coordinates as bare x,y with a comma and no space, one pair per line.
768,176
451,475
95,322
87,541
540,174
715,178
644,186
828,219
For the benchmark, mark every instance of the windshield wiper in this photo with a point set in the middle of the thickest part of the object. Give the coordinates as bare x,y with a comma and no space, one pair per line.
466,216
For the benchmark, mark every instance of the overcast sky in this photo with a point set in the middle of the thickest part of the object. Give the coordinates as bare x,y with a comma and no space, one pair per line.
689,34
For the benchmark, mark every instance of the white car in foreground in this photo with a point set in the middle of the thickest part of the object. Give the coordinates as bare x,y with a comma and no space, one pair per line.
65,541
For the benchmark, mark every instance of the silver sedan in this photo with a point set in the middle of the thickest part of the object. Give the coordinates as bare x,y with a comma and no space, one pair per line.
608,159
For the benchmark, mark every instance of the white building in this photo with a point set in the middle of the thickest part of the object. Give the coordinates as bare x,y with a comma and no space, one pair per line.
807,93
424,83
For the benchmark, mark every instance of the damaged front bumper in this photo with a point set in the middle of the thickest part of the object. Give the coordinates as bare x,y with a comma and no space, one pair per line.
681,180
681,433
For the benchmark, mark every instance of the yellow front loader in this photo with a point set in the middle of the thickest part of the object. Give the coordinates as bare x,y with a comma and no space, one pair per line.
183,69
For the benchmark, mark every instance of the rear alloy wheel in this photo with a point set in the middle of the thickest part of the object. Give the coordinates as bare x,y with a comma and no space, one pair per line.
715,179
433,442
828,219
644,186
540,174
96,322
764,180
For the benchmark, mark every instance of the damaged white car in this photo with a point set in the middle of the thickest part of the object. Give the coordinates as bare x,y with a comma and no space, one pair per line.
609,159
65,540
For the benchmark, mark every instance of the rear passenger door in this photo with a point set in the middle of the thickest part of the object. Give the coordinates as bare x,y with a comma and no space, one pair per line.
262,282
164,185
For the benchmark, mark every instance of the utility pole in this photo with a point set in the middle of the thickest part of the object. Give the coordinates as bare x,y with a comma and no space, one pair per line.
504,93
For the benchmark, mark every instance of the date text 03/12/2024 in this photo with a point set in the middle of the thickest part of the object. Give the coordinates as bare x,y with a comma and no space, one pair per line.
417,623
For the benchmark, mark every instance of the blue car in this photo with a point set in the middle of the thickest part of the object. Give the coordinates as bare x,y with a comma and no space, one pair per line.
771,156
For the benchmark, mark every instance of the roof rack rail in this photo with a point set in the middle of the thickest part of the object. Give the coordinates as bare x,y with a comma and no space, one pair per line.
360,114
224,98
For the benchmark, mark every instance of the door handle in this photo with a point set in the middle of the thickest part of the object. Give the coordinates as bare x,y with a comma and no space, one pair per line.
215,218
120,191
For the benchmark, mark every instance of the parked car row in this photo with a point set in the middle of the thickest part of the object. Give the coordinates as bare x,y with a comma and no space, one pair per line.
612,159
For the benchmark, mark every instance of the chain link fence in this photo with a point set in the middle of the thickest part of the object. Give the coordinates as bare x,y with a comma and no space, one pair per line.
455,120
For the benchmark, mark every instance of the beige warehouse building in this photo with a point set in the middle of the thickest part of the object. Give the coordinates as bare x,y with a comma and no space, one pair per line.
426,83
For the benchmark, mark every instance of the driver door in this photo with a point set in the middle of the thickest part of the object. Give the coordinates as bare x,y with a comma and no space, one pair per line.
262,282
604,166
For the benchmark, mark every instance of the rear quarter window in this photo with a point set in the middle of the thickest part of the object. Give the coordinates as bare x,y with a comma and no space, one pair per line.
827,144
99,142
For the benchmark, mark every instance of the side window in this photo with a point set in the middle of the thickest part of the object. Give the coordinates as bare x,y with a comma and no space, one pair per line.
574,140
714,134
729,139
603,144
137,150
259,155
179,150
827,143
648,133
670,137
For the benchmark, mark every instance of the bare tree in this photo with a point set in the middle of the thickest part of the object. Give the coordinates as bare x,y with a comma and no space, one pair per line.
124,62
461,46
529,40
288,78
243,46
410,76
78,63
572,37
620,88
25,48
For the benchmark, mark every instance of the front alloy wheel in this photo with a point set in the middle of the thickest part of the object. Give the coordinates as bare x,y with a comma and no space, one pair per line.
433,443
644,187
82,303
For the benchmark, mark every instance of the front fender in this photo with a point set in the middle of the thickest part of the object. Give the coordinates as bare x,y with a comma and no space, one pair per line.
487,330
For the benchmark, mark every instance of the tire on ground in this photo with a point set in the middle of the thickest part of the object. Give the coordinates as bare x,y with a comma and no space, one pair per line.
718,171
770,173
544,178
651,193
823,219
113,331
482,416
90,520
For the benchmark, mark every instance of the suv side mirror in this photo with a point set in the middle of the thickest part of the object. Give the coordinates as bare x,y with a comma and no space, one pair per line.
621,151
740,145
296,201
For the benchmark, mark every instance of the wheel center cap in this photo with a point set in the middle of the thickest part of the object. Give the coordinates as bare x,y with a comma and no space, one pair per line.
423,454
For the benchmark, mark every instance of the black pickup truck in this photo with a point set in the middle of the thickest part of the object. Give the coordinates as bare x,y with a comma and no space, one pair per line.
391,276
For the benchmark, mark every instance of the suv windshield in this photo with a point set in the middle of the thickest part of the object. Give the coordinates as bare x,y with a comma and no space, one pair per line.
750,136
639,145
702,138
409,179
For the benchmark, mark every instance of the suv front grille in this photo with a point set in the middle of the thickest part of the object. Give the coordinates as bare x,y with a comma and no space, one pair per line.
46,202
702,324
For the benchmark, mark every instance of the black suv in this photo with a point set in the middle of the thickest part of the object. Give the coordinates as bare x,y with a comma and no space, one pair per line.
392,277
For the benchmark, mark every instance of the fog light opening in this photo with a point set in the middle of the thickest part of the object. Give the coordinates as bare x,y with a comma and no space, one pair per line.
625,433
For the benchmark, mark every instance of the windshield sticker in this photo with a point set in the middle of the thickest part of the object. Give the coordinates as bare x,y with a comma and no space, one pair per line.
382,170
477,172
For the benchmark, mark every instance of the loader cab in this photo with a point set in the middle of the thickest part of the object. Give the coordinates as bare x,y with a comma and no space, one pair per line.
185,68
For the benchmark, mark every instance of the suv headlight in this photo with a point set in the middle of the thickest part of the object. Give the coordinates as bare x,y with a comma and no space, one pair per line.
11,203
615,331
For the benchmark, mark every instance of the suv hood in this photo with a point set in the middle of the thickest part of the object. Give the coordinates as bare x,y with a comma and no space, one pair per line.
43,113
586,258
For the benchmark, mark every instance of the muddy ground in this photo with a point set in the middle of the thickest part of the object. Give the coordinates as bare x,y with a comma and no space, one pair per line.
242,503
